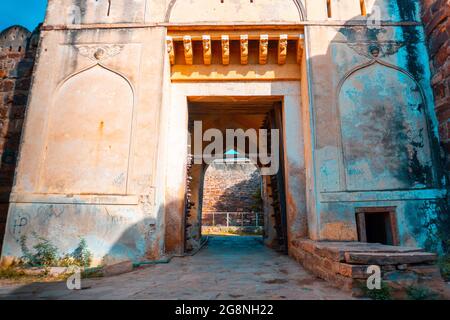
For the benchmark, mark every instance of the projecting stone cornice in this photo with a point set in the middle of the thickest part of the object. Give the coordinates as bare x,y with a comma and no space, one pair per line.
334,23
230,54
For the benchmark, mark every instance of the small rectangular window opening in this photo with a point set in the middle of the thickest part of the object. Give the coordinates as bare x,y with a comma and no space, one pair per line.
377,225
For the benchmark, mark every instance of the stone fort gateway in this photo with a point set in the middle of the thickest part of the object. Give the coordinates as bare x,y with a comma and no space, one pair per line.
107,147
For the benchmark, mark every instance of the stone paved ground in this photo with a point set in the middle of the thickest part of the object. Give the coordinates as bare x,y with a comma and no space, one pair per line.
227,268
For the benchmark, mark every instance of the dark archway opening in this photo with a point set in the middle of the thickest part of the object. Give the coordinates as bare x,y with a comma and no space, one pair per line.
234,195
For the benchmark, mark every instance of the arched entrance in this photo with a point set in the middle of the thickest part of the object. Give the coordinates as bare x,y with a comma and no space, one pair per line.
240,125
235,77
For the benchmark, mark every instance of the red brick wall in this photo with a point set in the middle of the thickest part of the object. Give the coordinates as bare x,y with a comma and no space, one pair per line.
437,26
17,55
230,187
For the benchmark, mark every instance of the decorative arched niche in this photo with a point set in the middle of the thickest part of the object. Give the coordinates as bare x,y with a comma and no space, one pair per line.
89,133
384,132
217,11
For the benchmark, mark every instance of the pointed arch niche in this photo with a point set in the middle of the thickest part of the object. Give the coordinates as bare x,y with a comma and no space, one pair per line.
385,141
89,134
207,11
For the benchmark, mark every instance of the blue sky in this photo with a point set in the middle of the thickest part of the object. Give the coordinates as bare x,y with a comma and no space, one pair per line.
28,13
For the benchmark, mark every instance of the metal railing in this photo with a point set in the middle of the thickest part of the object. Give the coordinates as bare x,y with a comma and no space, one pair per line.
232,219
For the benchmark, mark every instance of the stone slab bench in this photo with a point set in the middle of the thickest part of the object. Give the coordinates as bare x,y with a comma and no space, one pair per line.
345,265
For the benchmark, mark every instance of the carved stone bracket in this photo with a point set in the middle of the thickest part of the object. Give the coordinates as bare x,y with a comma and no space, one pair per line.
188,50
263,48
244,49
170,50
206,50
282,49
225,50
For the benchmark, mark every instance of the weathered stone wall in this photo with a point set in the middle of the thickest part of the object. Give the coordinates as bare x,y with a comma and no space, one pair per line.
231,187
375,131
17,55
111,138
435,16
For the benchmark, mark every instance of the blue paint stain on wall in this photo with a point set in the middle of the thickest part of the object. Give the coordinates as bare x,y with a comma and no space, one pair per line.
384,131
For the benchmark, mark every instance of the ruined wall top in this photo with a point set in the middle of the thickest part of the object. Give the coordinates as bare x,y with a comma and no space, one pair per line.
14,38
73,12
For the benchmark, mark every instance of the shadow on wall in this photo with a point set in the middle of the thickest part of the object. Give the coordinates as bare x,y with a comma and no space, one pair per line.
142,241
112,235
17,56
139,243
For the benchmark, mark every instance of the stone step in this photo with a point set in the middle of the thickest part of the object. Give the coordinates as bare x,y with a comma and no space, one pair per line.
383,258
336,250
345,264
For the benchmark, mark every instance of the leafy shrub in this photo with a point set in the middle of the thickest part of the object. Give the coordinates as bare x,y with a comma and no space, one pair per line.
384,293
421,293
82,254
444,265
92,273
46,254
80,257
11,273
